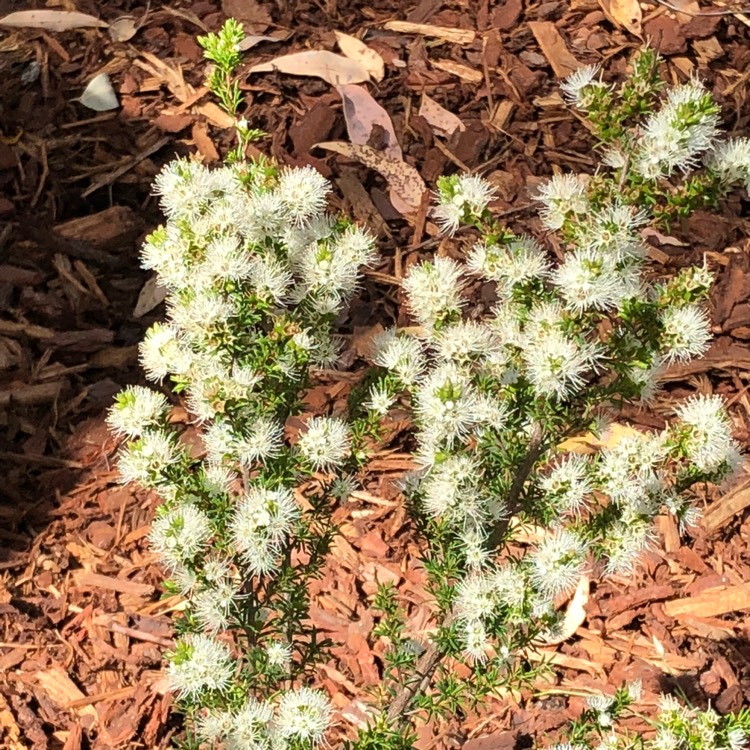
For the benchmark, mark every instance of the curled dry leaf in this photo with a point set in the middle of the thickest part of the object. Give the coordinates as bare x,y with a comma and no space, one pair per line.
151,296
357,50
99,94
123,29
364,115
439,118
335,69
52,20
251,40
575,614
456,36
624,13
590,443
405,183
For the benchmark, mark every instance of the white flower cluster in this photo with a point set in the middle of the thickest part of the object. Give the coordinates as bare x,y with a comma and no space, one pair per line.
461,199
200,663
256,274
136,410
678,724
236,233
260,524
707,436
561,336
481,596
301,715
679,133
730,160
325,443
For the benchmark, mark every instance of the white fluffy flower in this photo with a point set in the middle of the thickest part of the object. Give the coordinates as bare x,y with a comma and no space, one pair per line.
445,404
403,355
556,365
220,442
260,216
709,444
212,606
475,640
260,523
624,545
475,598
180,534
162,352
270,279
326,443
569,484
628,471
433,291
279,654
686,333
730,160
448,216
263,439
589,280
736,738
168,252
146,459
136,409
329,273
380,400
214,725
558,562
466,341
612,231
676,135
251,727
573,86
358,244
517,261
200,312
459,196
199,663
185,189
303,193
217,479
225,260
303,714
562,195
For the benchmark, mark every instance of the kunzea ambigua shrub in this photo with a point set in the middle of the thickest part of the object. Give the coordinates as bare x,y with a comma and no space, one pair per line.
257,274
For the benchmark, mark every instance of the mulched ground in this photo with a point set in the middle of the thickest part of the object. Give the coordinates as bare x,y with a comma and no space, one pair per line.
82,622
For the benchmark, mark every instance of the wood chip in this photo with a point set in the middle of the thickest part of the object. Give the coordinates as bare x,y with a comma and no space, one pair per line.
712,602
456,69
722,510
554,48
121,585
455,36
63,691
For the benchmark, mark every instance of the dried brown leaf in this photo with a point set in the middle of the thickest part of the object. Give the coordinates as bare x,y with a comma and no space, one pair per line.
357,50
364,115
624,13
252,39
52,20
335,69
439,118
405,183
